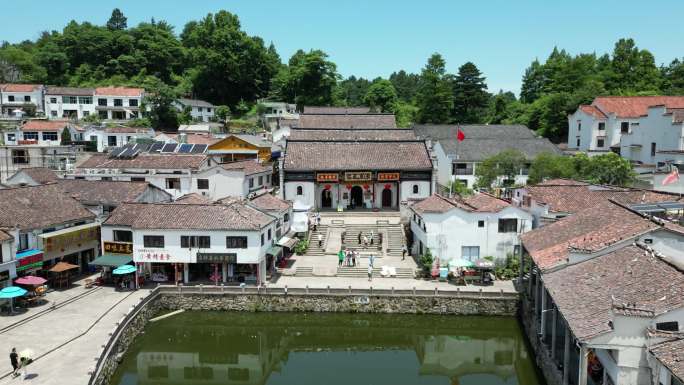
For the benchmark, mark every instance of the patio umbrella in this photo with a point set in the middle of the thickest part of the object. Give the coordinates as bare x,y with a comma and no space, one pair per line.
460,262
30,280
484,264
11,292
125,269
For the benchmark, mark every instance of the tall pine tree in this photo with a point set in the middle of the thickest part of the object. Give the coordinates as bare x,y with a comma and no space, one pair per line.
434,99
470,95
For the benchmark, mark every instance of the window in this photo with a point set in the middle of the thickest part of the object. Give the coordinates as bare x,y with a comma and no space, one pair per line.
30,136
579,125
236,242
123,236
208,109
300,190
195,241
251,182
111,140
10,98
578,141
53,100
508,225
137,179
69,99
155,241
624,127
286,217
102,115
199,109
415,189
106,178
23,242
462,169
27,98
601,126
50,135
262,239
86,113
173,183
102,102
85,100
653,149
470,253
480,223
672,326
203,184
53,114
133,102
269,234
118,102
600,142
11,137
20,157
268,179
261,180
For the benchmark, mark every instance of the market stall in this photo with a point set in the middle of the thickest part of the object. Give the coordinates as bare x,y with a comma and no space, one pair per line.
62,273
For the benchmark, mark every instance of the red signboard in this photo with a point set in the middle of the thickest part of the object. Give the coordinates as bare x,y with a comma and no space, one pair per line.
30,262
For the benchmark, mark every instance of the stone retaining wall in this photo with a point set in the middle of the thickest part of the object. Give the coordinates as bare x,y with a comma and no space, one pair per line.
541,353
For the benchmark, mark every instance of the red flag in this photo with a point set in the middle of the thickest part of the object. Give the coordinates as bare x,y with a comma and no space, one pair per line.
671,177
460,135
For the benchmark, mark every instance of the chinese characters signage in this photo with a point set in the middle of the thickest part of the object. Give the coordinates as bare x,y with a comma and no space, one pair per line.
327,177
70,240
160,255
216,258
118,248
388,176
358,176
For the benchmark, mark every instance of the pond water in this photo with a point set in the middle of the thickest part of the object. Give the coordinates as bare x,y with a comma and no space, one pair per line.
332,348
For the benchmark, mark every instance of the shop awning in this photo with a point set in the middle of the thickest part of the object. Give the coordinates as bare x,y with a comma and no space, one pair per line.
29,253
288,241
112,260
29,260
274,250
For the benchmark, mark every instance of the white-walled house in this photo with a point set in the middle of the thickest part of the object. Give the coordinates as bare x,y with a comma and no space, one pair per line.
200,110
39,132
470,228
276,207
8,269
18,100
69,102
109,137
194,242
118,103
599,127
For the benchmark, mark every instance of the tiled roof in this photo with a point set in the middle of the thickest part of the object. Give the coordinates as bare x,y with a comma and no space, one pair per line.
671,354
118,91
562,182
345,121
352,135
256,140
476,149
250,167
44,125
236,216
19,87
593,111
192,199
478,202
309,156
69,91
269,202
589,230
473,131
585,293
635,106
39,175
4,236
129,130
103,192
335,110
564,196
38,207
146,161
194,102
196,138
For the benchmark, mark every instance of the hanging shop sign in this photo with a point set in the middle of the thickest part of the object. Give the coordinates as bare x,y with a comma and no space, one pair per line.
70,238
124,248
358,176
388,176
216,257
160,255
327,177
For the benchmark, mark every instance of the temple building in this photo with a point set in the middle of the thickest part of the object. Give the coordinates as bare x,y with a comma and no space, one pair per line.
349,168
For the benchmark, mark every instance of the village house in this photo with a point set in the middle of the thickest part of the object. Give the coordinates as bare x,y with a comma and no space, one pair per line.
19,100
600,281
277,208
194,242
48,226
271,113
108,137
8,270
69,102
200,111
39,132
470,227
118,103
667,359
57,158
32,176
238,147
458,160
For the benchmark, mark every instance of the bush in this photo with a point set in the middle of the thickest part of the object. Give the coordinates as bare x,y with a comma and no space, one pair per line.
301,247
508,269
425,262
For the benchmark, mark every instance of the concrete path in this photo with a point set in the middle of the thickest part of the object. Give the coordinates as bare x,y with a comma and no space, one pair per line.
66,341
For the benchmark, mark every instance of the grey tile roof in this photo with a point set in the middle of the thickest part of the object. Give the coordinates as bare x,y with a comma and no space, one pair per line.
146,161
194,103
586,293
39,207
473,131
481,149
352,135
256,140
39,175
336,110
333,156
250,167
269,202
235,216
671,354
69,91
346,121
478,202
104,192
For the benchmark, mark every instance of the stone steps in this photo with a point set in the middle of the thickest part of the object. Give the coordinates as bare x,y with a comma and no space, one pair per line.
304,271
361,272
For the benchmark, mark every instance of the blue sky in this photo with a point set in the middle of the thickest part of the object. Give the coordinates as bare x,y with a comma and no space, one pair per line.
372,38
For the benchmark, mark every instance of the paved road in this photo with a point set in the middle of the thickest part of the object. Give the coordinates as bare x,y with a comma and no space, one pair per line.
66,341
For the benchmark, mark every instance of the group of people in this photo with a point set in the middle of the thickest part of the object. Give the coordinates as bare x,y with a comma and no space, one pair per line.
366,239
348,258
315,221
18,363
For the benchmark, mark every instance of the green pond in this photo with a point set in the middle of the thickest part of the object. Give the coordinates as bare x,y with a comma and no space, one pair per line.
329,348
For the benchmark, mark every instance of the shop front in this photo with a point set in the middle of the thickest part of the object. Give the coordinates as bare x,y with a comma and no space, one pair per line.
162,265
357,190
77,245
29,262
114,254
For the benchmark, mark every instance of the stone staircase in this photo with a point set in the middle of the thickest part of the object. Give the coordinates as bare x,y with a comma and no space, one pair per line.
387,236
306,271
313,241
362,272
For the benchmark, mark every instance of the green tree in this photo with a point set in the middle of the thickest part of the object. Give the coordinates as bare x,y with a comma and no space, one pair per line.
308,79
381,96
222,112
550,166
500,107
351,91
434,98
471,98
673,77
532,83
607,168
65,137
117,21
405,114
406,85
503,167
160,99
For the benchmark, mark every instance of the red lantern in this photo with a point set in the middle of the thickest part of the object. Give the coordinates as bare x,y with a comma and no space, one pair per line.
328,187
349,187
388,186
366,187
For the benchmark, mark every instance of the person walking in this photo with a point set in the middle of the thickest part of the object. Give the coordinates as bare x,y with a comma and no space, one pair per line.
14,360
313,223
365,241
320,239
340,257
359,237
404,250
370,272
353,258
371,237
371,259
